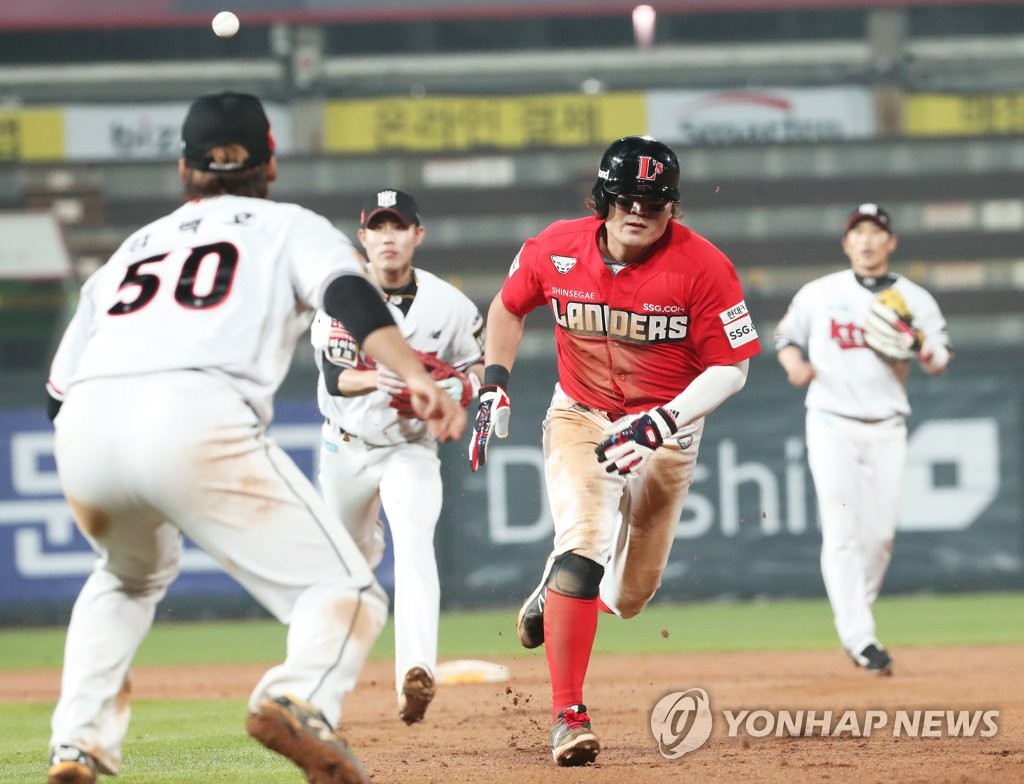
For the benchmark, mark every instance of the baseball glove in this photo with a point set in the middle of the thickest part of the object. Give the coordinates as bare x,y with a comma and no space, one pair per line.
889,328
447,377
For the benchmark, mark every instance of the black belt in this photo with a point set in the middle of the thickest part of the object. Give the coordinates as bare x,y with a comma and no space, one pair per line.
611,415
867,421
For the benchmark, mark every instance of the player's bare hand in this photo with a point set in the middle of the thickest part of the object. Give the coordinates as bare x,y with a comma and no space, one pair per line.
445,418
800,374
389,381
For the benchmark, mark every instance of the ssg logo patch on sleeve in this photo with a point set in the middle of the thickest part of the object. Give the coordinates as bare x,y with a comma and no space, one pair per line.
739,327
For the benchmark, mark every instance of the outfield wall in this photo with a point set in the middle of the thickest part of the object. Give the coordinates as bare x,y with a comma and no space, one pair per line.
749,529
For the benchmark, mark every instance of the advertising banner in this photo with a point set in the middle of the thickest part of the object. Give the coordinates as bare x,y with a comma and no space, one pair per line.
760,116
749,528
118,132
467,123
43,557
941,114
31,134
750,525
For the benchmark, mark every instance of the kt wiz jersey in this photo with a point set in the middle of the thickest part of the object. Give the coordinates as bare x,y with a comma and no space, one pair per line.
441,321
826,319
225,285
636,339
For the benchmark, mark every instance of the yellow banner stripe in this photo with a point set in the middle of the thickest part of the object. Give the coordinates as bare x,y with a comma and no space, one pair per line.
31,135
939,114
459,123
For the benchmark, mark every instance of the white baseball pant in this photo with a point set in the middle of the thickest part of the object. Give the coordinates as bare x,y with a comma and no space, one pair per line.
144,459
858,474
355,479
626,524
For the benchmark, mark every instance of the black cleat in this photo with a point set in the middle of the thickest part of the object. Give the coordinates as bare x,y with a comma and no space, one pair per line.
874,660
530,623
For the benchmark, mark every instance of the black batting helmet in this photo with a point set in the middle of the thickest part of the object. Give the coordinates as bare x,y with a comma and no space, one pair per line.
636,166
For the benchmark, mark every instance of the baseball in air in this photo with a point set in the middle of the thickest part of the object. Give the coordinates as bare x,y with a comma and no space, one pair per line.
225,24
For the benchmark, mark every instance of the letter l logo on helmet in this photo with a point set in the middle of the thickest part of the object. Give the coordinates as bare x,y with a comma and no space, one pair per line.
649,168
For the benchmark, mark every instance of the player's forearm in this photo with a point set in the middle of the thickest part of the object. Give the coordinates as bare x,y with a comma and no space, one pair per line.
504,334
708,391
799,372
475,373
790,357
387,346
354,383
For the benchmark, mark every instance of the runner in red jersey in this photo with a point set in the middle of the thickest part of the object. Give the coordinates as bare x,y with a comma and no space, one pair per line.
652,334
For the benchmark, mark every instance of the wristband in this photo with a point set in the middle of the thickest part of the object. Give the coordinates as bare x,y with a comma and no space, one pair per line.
496,375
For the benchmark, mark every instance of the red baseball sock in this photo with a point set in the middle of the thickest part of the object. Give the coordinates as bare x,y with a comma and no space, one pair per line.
570,626
604,607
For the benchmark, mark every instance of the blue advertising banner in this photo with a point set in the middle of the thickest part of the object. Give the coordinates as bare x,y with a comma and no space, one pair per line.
44,557
750,525
749,528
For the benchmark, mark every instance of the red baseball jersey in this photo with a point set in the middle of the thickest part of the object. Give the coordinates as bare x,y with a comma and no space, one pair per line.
633,340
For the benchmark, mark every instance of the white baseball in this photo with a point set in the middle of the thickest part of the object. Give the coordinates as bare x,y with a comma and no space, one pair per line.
225,24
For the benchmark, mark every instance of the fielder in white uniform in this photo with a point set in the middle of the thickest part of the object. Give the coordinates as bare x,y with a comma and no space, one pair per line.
372,454
856,409
161,391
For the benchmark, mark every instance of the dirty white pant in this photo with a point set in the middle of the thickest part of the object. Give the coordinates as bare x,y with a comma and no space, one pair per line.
625,524
356,479
144,459
858,474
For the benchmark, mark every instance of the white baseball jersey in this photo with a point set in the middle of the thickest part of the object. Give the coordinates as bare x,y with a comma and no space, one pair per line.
441,321
826,319
225,284
169,365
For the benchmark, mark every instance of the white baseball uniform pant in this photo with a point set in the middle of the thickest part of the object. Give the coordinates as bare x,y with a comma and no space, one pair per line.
625,524
858,474
145,459
355,479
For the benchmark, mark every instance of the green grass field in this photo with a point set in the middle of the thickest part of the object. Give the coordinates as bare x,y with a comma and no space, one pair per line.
203,737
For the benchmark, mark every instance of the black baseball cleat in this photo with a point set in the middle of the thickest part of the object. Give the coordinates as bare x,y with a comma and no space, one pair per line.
874,660
530,623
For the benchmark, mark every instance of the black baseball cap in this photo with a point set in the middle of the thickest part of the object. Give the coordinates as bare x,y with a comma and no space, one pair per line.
870,212
389,200
226,118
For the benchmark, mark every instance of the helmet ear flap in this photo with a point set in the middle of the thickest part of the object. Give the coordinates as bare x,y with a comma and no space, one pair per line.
601,201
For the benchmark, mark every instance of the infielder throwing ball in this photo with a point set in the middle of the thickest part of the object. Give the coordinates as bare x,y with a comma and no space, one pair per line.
376,450
652,334
164,382
849,337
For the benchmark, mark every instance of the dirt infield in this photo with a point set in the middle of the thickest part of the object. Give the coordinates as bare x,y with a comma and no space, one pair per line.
498,732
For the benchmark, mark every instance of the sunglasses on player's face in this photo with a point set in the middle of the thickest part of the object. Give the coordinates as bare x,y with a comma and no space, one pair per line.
625,203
